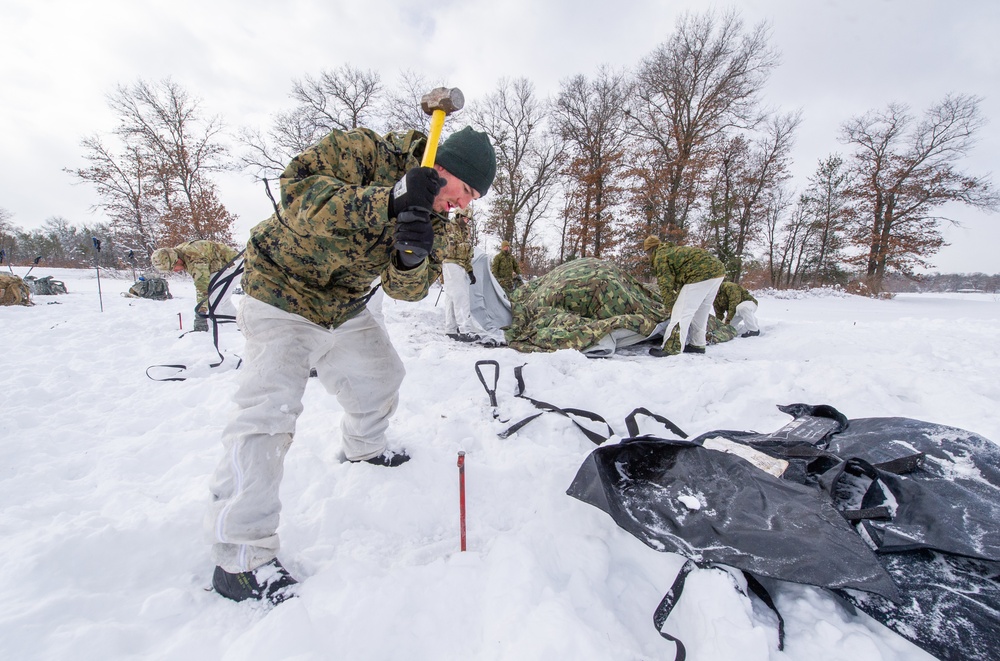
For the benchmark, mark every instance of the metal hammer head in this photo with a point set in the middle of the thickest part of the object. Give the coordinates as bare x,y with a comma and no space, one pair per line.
442,98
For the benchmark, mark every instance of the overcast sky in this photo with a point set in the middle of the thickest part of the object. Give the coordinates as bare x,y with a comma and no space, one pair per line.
60,58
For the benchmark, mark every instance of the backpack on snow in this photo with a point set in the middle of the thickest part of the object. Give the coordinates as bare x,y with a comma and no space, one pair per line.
46,286
153,287
13,291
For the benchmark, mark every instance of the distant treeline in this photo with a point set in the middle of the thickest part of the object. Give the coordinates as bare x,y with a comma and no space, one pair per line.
61,245
941,282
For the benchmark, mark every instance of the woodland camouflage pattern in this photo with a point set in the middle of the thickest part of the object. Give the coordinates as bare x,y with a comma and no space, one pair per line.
719,331
675,266
334,235
504,267
13,291
730,295
459,242
201,259
47,286
578,303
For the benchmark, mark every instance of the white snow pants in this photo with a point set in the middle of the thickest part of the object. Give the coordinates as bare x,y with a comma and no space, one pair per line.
375,303
690,312
356,362
745,319
457,310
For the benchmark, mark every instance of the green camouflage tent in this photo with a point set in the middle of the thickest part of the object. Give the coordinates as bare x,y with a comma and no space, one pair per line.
590,305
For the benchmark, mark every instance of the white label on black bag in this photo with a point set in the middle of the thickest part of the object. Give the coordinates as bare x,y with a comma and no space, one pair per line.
762,461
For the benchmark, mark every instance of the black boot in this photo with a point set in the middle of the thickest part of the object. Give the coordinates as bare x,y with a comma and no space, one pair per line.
389,459
270,581
464,337
691,348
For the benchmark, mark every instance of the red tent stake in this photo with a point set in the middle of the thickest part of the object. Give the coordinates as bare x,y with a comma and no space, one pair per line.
461,495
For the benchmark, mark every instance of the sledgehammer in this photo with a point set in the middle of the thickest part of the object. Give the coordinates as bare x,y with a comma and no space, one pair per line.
437,103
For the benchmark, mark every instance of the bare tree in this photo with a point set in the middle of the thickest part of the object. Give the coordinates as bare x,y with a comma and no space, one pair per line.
903,172
528,161
127,189
164,125
705,80
344,98
401,111
747,178
291,133
590,116
776,237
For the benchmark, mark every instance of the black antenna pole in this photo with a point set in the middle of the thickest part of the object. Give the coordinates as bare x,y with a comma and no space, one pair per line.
97,267
37,259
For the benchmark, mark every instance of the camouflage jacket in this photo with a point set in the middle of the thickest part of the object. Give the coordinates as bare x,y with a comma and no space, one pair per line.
201,259
503,267
730,295
459,247
675,266
334,235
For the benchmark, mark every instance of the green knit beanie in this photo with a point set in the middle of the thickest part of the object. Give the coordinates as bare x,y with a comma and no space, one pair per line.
469,156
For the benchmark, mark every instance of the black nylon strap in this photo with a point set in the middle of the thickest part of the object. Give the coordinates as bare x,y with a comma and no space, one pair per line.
903,465
758,589
217,282
179,368
594,437
220,283
492,392
633,427
666,606
881,512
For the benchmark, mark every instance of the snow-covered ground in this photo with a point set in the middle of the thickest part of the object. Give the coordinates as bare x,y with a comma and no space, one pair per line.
103,486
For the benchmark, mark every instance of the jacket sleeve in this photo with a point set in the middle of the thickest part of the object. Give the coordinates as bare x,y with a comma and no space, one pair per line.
336,195
197,264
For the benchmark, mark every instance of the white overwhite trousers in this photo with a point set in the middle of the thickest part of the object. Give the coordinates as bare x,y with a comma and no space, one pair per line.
745,319
457,310
356,362
690,312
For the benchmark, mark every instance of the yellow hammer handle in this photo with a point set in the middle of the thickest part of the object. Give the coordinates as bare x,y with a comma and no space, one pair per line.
437,123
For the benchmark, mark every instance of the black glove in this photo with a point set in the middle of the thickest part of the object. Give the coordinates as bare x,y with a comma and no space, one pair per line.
417,188
472,278
414,236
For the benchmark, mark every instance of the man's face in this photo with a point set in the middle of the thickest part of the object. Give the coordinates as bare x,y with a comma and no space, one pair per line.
178,266
456,194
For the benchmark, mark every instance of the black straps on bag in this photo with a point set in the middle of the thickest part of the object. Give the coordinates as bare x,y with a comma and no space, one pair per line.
491,391
673,595
633,427
666,606
670,599
218,287
759,591
595,437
